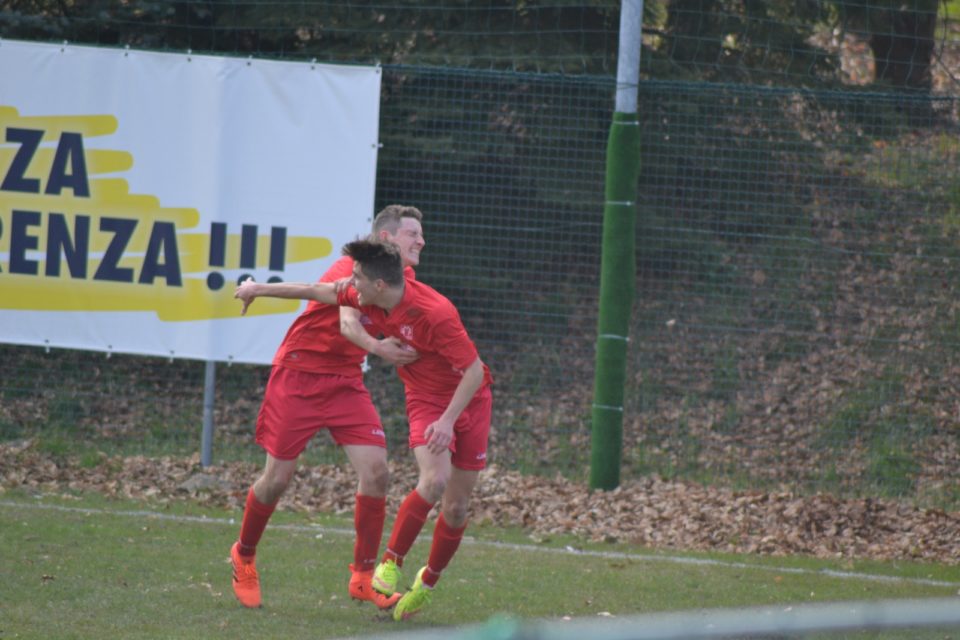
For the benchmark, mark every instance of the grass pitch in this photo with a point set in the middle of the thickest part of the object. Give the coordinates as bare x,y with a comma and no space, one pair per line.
87,567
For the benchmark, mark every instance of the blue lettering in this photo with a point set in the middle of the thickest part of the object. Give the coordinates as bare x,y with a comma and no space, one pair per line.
248,246
72,246
60,243
278,248
16,179
21,241
163,237
69,150
109,268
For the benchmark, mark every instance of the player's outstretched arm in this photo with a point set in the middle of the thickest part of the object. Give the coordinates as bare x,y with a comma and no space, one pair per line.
248,290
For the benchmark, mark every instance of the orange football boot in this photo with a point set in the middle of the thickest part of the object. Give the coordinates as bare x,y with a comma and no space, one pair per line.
246,582
361,589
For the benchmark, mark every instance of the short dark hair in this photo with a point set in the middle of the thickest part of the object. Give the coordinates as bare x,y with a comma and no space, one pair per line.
378,260
391,215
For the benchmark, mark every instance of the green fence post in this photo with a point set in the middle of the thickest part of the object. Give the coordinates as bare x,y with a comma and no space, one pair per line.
618,262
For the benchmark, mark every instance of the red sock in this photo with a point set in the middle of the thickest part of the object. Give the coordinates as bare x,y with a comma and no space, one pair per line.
446,539
410,518
255,518
368,516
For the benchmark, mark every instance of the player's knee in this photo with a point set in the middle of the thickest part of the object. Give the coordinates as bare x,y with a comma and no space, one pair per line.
455,512
374,479
431,487
270,487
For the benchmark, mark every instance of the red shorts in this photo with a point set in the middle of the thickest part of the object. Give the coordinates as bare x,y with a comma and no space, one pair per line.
297,404
470,431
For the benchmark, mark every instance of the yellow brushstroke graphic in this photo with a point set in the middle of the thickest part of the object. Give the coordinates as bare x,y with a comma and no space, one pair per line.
192,301
53,126
59,251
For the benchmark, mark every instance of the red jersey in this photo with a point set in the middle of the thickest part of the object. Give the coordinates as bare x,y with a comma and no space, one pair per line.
313,342
429,323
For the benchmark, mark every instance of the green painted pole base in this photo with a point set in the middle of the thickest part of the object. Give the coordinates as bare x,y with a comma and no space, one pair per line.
617,284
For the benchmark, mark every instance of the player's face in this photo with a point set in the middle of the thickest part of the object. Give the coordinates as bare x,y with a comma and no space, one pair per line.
409,239
367,289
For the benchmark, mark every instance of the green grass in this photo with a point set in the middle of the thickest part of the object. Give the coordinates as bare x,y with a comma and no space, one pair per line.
87,567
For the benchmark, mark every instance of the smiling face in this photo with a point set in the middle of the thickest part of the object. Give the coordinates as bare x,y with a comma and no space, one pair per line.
408,238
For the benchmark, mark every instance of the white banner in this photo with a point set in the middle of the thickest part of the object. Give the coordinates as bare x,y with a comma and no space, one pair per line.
136,189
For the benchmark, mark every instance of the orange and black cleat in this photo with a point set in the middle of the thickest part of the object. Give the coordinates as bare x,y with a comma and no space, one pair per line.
246,582
361,589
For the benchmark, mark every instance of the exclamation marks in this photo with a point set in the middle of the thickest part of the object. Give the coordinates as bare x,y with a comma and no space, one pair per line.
278,248
218,254
248,252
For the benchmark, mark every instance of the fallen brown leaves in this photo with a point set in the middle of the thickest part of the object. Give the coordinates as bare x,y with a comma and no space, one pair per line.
650,512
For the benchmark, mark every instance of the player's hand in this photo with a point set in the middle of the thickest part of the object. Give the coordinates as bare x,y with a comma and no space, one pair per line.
439,436
396,351
246,294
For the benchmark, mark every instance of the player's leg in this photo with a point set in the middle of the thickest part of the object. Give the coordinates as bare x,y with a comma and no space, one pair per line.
286,422
435,472
411,516
355,425
452,522
468,458
370,510
262,499
413,511
447,534
370,463
273,482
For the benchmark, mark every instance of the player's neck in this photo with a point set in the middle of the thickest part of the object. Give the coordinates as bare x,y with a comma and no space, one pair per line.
392,296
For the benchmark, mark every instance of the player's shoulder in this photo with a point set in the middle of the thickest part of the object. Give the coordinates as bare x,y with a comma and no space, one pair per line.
427,295
341,268
431,302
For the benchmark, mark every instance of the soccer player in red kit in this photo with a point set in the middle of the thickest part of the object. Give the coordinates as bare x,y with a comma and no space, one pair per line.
448,405
316,383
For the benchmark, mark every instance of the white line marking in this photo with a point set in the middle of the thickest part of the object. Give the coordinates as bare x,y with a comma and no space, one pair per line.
613,555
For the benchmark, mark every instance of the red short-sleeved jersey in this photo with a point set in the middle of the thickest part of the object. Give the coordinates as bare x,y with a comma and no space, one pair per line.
429,323
313,342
